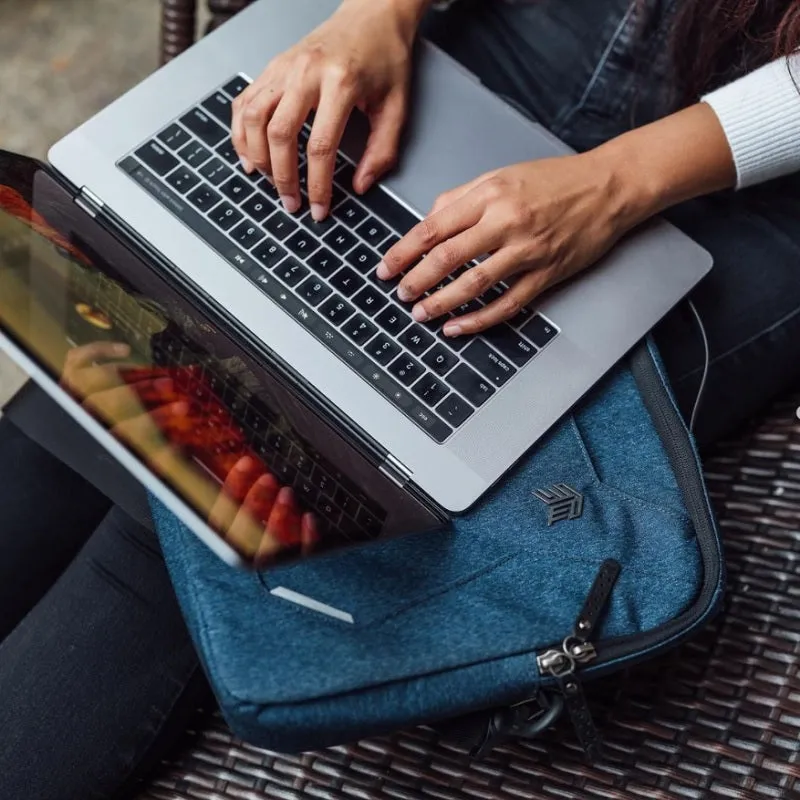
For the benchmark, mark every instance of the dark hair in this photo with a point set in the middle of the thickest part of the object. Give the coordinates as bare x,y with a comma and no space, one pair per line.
715,41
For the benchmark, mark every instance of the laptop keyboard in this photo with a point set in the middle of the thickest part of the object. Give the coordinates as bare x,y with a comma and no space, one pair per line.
343,509
323,274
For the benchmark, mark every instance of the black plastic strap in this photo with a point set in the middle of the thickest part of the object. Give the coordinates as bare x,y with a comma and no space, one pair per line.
580,716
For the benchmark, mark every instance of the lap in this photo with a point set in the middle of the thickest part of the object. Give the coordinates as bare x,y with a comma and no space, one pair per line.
100,674
576,67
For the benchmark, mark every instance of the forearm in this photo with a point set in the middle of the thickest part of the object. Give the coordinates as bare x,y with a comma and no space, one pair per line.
679,157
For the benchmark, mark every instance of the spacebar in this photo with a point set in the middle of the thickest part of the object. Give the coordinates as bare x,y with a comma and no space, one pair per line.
191,218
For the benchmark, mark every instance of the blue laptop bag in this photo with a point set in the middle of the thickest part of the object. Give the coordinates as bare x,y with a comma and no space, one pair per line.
597,551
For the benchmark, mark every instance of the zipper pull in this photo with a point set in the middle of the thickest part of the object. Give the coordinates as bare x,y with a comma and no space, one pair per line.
561,663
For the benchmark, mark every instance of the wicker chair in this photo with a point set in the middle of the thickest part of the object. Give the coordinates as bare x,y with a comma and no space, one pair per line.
718,717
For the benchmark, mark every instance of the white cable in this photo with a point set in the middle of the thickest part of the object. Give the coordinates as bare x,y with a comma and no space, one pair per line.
706,360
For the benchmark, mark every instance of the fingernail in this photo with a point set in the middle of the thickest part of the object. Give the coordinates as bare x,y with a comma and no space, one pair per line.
285,496
318,212
180,408
452,330
245,463
404,294
121,350
246,165
367,181
291,204
382,271
164,384
419,313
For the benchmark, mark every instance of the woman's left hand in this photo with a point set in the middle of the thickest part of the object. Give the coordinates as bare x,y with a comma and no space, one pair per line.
540,221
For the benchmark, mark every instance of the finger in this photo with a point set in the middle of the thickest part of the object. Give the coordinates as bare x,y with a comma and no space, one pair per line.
309,533
247,529
255,117
283,524
426,235
329,123
234,490
503,308
445,259
87,381
238,136
88,354
123,402
447,198
383,143
282,132
145,431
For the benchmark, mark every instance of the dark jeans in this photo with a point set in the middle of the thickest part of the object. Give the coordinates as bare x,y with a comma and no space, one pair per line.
97,673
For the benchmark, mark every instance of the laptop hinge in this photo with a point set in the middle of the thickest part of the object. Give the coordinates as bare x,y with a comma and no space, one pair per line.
395,470
89,202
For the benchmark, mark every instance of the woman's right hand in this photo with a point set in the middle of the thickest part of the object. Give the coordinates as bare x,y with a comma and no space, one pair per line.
359,58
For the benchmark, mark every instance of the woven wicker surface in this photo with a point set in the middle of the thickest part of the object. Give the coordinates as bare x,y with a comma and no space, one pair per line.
718,717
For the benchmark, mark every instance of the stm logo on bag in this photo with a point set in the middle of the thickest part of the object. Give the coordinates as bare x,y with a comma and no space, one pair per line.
562,502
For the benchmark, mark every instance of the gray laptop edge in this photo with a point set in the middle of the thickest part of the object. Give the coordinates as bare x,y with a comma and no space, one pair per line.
598,318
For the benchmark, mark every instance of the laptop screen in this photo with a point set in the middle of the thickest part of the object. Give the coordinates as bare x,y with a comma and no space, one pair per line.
213,422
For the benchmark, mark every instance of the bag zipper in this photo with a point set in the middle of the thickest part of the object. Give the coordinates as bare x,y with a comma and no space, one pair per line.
561,662
686,467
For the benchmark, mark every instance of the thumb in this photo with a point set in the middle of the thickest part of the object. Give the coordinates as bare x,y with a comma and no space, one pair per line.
380,155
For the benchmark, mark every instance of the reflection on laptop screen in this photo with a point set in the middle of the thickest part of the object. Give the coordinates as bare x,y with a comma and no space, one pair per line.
217,428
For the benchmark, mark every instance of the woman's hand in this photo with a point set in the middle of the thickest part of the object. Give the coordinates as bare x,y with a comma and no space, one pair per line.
543,221
540,221
360,57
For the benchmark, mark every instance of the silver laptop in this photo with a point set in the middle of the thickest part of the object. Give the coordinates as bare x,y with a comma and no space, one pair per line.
423,425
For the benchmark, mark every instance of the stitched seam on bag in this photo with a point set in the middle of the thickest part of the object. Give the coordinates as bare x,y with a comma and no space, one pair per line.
646,505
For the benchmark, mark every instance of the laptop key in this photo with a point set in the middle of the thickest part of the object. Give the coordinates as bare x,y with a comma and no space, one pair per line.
225,215
203,127
440,360
392,320
182,180
538,330
203,197
194,154
317,228
227,152
386,244
247,234
489,363
520,351
215,172
406,369
280,225
430,423
269,253
359,330
347,281
429,389
236,189
370,300
468,383
291,271
257,208
174,137
336,310
350,213
454,410
362,258
340,240
313,291
301,243
382,349
235,87
323,262
456,343
219,105
386,208
157,157
372,231
416,340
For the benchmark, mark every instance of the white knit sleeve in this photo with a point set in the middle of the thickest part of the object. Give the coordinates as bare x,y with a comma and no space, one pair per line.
760,114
